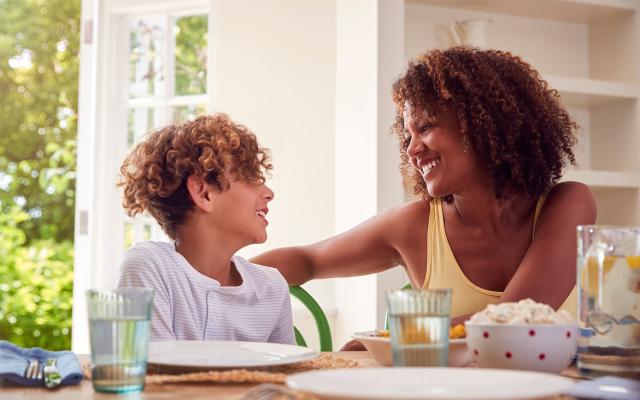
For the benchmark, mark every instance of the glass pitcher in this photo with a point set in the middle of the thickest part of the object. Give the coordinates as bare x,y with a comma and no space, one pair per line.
608,282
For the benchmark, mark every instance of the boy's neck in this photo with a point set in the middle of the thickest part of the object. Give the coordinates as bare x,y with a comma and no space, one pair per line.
208,255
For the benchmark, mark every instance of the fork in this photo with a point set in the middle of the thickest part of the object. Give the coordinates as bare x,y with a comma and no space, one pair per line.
37,370
33,370
269,391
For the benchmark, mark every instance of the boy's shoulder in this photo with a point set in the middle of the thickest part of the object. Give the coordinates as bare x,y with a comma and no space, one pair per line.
150,249
150,254
259,272
148,264
152,245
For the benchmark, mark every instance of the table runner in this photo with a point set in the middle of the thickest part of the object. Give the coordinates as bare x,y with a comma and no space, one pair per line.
277,374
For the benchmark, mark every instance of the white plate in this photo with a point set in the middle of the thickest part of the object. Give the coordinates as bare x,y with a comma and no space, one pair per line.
213,354
429,383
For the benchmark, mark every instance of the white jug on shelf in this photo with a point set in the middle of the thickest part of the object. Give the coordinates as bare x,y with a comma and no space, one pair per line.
470,32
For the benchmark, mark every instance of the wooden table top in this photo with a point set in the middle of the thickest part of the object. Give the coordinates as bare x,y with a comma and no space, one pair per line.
187,391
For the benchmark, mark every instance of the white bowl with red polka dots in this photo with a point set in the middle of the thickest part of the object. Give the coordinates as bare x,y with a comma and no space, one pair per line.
544,348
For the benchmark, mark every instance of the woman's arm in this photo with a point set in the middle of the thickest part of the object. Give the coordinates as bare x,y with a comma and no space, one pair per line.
368,248
547,273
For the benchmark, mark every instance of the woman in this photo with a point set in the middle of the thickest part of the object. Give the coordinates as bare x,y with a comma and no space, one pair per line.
483,143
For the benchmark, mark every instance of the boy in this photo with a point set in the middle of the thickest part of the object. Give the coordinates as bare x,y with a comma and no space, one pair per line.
204,183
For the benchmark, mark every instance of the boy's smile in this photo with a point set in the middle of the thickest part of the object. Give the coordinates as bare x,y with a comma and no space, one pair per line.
262,213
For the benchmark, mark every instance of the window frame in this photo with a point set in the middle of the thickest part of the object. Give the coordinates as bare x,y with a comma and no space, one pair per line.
103,108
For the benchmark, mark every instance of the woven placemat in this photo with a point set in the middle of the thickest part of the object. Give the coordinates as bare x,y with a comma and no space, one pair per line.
270,375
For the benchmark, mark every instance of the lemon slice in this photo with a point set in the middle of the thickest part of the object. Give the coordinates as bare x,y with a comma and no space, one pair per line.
633,262
590,273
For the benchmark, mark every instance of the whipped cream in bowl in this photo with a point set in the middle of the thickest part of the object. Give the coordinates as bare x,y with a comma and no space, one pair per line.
525,311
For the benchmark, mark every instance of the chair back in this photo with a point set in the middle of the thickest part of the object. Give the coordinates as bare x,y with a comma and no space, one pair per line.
324,330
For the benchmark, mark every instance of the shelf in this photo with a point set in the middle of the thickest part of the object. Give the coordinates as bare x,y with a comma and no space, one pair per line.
584,49
591,92
604,179
576,11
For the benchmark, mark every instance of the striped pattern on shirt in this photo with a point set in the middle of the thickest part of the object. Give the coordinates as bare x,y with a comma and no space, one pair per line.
188,305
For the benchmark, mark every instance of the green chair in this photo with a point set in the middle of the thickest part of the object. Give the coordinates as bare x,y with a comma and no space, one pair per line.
324,331
386,314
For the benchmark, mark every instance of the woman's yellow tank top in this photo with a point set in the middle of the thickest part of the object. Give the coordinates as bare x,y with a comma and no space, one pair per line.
443,270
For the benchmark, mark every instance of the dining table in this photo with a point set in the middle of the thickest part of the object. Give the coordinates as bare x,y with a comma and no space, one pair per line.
183,391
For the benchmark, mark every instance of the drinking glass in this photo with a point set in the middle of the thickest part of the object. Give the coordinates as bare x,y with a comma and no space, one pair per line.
119,332
608,267
419,327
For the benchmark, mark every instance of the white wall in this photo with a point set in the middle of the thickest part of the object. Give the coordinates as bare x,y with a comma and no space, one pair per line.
356,147
369,56
390,39
313,79
275,72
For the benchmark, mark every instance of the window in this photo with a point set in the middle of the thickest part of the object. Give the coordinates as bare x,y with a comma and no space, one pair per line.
144,64
167,83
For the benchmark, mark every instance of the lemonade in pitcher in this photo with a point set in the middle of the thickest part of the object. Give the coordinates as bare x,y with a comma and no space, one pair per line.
609,301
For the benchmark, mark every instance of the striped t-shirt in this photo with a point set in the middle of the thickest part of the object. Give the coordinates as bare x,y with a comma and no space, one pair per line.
188,305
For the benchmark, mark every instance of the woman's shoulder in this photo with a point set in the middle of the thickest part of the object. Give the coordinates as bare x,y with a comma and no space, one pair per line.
569,192
406,223
570,188
390,227
570,200
410,212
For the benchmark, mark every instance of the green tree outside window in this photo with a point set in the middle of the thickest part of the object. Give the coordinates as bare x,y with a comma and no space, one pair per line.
39,44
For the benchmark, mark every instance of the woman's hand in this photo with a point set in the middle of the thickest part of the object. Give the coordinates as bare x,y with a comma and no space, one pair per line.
353,345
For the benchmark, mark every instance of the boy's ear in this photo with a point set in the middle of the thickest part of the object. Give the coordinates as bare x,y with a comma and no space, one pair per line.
200,192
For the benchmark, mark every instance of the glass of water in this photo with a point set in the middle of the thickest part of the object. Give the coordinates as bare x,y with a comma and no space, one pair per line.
419,327
119,332
609,300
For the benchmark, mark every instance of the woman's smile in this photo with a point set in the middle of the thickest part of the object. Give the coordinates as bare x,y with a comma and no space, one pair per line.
426,167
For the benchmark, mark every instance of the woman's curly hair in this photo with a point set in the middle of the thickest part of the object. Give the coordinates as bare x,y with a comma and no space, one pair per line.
155,173
508,115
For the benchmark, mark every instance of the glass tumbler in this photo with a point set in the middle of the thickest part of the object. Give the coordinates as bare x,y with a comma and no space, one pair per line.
419,327
119,335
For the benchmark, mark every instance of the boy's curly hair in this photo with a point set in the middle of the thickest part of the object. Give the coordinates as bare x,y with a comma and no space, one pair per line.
508,116
154,174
